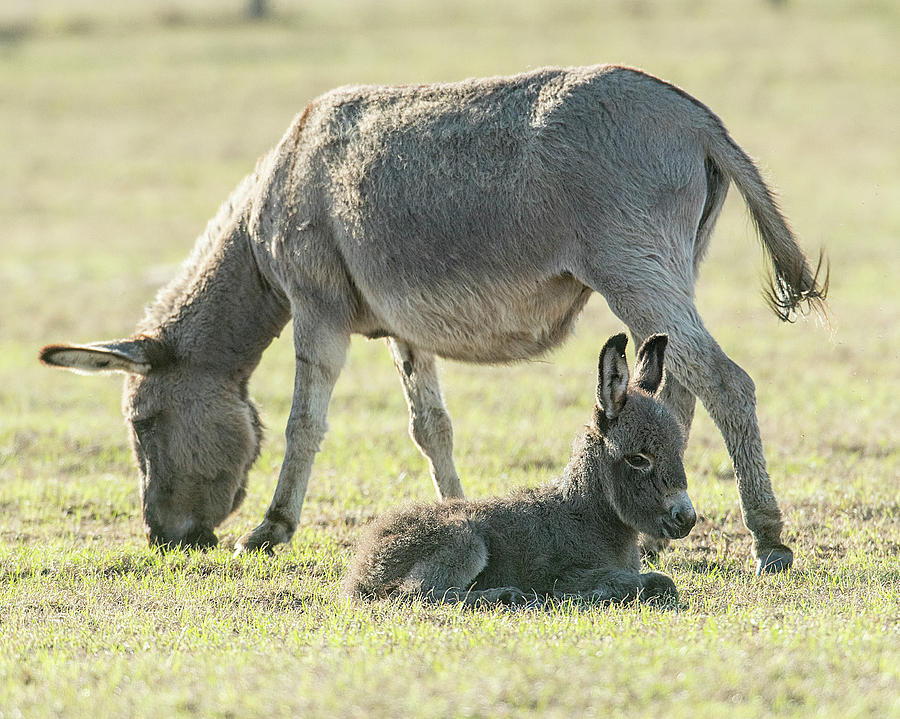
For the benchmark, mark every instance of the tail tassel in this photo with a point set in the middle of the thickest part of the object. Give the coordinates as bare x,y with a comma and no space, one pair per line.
797,294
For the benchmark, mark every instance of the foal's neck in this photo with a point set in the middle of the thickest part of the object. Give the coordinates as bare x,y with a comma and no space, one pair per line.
582,485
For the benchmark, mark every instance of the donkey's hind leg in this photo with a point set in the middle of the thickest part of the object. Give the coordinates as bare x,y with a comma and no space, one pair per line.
429,422
697,362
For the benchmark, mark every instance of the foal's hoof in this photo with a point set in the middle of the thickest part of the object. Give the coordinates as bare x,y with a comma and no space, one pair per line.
658,587
777,559
263,538
511,597
651,547
507,597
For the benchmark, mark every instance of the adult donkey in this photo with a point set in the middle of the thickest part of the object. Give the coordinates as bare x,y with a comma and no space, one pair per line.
469,220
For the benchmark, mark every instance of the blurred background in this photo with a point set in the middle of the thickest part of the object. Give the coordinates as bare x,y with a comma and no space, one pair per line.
124,124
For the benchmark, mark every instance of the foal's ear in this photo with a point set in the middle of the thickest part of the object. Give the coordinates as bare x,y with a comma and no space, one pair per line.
612,379
117,356
648,370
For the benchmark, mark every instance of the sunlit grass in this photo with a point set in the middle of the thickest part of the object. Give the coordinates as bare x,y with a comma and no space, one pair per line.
124,126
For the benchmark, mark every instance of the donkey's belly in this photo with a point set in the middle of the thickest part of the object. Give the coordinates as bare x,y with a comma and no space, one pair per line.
496,322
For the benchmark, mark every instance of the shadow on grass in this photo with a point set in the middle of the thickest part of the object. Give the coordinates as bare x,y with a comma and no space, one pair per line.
527,604
173,566
714,567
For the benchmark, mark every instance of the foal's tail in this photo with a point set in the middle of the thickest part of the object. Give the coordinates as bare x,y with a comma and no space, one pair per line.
793,286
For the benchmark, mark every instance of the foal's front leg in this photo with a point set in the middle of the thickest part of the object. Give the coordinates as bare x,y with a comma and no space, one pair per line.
497,596
616,585
319,354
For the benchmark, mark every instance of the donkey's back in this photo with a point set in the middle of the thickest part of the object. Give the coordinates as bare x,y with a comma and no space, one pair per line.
472,216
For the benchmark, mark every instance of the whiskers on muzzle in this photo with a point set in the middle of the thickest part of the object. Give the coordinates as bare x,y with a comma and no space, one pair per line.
680,519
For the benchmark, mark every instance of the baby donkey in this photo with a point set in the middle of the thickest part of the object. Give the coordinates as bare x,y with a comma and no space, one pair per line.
574,537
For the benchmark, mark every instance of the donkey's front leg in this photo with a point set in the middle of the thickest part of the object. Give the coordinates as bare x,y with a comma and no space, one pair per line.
429,422
319,357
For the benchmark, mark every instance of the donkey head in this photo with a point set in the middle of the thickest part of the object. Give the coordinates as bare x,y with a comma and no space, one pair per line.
642,442
194,432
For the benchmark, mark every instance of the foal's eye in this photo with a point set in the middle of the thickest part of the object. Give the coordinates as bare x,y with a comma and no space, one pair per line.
640,462
143,427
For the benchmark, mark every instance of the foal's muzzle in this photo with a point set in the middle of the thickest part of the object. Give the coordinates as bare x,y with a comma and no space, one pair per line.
681,518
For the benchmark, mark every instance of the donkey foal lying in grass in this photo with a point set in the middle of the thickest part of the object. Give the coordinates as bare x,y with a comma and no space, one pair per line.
576,536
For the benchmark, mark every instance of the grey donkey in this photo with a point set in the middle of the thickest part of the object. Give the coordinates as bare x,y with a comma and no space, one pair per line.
576,536
465,220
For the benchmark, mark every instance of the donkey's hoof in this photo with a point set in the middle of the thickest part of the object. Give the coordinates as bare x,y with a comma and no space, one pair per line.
511,597
246,545
774,560
262,539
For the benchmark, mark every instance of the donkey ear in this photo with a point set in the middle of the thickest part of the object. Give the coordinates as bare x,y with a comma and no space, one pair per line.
612,380
117,356
648,370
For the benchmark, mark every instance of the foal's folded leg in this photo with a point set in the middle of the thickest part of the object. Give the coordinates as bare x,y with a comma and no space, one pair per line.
615,585
496,596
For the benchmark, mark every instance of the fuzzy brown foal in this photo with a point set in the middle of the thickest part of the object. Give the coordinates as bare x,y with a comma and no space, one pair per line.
576,536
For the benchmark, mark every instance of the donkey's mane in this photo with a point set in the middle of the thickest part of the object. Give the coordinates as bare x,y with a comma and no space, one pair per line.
175,294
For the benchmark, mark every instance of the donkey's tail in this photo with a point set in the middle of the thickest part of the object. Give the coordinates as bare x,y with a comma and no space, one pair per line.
792,285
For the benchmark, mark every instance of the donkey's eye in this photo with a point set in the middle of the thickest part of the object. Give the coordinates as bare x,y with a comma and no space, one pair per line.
640,462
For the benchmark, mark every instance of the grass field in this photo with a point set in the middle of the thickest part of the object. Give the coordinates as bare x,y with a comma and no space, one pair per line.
122,128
